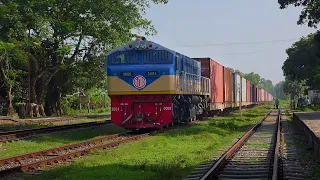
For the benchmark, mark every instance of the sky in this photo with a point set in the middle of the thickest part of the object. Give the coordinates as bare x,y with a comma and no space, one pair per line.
205,28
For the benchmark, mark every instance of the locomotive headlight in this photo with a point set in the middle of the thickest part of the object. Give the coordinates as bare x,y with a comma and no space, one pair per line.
143,46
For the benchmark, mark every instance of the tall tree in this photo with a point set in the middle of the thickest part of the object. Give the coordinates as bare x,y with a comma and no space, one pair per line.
65,34
302,61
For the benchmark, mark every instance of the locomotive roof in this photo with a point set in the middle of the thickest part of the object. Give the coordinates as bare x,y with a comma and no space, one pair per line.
155,46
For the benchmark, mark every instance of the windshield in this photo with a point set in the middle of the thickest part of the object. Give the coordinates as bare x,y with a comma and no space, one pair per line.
123,57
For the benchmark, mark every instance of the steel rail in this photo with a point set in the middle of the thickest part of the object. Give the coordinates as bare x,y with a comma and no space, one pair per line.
222,160
276,149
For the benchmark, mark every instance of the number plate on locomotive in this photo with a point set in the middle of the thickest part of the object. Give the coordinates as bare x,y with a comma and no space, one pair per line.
126,73
152,73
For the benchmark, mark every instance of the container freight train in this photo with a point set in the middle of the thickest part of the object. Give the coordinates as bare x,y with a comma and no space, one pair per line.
151,86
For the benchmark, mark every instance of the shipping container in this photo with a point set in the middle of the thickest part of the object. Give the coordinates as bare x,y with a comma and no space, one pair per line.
237,87
214,71
265,95
248,91
259,94
253,93
243,90
228,85
262,95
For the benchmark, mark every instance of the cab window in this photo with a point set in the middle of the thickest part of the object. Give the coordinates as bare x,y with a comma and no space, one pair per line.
123,57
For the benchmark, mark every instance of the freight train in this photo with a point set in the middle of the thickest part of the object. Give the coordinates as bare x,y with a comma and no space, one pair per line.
151,86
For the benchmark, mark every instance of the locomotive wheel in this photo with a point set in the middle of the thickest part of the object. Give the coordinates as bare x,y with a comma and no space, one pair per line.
167,126
172,124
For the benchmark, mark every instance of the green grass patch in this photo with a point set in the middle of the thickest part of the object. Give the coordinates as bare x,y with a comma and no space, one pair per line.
170,155
55,139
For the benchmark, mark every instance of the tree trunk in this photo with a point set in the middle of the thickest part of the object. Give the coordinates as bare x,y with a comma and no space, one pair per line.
57,98
48,106
10,108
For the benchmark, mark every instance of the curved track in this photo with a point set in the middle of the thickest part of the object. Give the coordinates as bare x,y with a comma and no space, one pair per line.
253,156
20,134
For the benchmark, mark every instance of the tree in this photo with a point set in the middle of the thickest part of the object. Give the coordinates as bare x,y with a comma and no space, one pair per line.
310,12
279,92
11,57
266,85
67,35
255,78
302,61
294,88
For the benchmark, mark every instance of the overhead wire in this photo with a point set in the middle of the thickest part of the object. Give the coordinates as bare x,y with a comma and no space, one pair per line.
238,43
253,52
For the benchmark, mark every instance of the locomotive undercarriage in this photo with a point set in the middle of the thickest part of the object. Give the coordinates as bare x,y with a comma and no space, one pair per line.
186,107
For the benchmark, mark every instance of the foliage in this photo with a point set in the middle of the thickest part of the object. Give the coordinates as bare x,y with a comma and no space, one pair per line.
310,13
255,78
279,91
302,61
266,85
67,40
294,88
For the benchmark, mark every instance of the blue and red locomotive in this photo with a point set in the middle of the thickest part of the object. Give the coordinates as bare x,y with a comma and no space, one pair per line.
151,86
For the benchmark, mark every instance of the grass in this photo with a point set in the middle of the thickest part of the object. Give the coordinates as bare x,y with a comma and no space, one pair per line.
170,155
55,139
12,127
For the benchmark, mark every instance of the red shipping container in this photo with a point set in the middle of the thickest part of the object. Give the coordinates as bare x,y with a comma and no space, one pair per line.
214,71
265,95
248,91
228,85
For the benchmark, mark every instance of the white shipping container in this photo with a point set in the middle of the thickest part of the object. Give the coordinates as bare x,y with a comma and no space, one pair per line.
243,90
237,87
262,95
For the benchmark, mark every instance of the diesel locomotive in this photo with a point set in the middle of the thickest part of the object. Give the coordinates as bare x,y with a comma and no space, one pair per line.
151,86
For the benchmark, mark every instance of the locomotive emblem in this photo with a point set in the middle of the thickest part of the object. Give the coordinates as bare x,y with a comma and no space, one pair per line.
139,82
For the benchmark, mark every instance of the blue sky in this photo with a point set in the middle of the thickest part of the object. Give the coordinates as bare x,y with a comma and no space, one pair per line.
199,22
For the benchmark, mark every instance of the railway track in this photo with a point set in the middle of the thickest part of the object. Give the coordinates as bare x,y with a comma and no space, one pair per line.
254,156
10,136
31,161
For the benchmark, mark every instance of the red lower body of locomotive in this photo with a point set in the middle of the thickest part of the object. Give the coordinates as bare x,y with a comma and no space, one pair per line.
141,111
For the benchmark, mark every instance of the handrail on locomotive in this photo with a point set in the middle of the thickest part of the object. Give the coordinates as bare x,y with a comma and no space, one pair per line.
195,83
